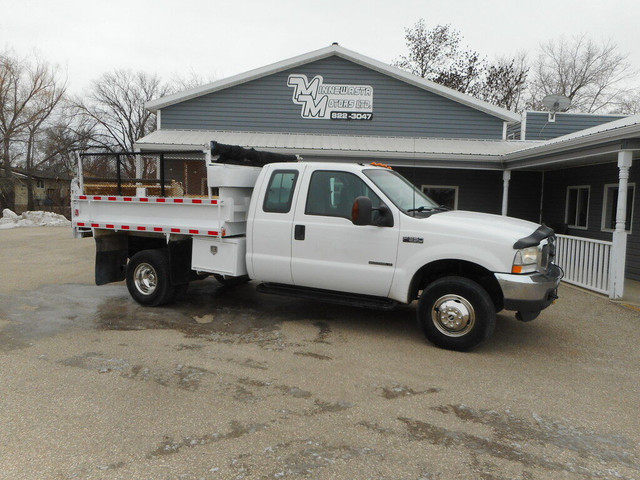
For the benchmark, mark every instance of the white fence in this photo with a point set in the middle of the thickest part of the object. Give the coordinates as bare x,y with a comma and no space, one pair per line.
585,261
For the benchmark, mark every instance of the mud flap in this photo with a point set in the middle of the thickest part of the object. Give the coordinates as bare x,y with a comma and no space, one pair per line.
180,260
111,257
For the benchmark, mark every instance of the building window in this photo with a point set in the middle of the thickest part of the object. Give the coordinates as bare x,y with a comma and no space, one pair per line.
444,195
40,183
610,205
577,206
280,191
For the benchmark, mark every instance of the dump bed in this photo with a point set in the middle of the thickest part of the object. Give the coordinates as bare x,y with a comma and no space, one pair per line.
221,212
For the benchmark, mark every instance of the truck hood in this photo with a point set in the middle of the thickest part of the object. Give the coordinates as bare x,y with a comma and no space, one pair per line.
483,226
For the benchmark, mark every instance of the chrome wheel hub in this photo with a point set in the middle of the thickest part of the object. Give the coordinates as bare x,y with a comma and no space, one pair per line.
145,279
453,315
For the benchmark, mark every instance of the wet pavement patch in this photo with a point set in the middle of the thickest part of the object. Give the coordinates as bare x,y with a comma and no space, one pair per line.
96,361
317,356
397,391
330,407
324,332
506,426
169,446
595,455
296,459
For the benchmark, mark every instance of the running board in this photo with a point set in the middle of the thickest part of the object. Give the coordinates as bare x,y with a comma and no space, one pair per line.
330,296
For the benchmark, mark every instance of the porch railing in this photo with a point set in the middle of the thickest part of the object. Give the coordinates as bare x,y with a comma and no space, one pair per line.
585,261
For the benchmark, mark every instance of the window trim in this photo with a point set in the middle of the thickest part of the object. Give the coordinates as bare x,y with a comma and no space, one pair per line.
566,207
604,206
293,189
456,188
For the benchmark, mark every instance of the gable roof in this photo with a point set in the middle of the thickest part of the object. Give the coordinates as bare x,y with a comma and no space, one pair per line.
335,50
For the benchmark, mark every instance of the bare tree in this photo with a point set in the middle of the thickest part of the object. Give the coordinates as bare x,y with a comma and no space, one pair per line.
29,92
430,50
116,104
436,54
180,82
631,104
591,74
505,82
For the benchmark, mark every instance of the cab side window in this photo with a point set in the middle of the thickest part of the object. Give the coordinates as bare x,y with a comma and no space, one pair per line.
333,193
280,191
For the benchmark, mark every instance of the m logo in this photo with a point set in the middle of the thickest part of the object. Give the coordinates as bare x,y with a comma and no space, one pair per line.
305,93
327,101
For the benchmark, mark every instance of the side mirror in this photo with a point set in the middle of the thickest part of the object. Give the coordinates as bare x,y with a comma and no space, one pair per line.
386,217
361,211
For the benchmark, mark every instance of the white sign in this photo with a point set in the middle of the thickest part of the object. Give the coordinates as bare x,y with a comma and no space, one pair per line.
326,101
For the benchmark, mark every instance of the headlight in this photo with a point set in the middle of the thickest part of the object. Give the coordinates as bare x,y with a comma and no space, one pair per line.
526,260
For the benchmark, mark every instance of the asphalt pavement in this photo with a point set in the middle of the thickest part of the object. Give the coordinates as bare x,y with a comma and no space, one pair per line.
231,384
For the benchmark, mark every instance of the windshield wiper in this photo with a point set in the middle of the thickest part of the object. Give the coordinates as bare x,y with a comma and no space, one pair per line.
422,208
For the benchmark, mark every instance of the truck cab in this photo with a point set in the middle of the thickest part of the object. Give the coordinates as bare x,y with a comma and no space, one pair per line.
365,230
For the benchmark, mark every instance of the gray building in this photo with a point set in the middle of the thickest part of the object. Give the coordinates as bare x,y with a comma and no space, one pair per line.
334,104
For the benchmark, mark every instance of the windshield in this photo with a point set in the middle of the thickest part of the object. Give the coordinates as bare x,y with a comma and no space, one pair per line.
400,191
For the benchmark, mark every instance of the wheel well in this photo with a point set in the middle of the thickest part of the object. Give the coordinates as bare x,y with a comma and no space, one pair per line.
137,243
443,268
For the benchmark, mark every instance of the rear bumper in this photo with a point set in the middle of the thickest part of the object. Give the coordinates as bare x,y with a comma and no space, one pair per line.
530,293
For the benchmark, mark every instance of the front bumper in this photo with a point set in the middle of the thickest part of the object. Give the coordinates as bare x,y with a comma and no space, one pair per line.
530,293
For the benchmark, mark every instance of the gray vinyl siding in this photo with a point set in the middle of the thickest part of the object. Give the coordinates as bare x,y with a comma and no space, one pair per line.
399,109
538,126
513,131
478,190
555,198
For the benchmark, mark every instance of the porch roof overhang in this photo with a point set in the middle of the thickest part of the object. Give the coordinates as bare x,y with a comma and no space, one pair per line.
397,151
599,144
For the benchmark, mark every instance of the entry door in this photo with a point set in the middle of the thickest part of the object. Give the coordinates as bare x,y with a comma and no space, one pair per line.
332,253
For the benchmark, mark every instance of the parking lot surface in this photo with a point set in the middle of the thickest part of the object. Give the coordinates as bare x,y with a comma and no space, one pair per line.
229,384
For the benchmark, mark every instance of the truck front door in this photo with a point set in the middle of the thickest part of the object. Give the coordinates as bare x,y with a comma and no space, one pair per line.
328,250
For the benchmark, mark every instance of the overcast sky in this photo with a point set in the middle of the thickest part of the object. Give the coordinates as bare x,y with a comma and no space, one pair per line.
216,39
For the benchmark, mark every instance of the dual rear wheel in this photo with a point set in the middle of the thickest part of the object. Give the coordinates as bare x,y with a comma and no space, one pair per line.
149,279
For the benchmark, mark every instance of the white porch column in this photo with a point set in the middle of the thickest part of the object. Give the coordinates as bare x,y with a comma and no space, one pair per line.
506,176
619,248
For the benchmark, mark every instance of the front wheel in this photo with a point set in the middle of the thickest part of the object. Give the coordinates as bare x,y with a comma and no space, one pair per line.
456,313
148,278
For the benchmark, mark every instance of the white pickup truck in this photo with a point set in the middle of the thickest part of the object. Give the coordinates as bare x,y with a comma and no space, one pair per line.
336,232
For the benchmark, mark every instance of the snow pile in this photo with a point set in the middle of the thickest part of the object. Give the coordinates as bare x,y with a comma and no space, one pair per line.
32,219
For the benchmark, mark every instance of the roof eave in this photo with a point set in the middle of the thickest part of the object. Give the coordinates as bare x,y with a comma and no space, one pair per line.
622,133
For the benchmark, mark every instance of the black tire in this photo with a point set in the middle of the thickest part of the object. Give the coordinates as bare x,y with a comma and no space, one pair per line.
148,278
456,313
231,281
180,290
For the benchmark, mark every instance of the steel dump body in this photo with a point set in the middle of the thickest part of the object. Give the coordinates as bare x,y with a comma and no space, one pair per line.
192,216
215,224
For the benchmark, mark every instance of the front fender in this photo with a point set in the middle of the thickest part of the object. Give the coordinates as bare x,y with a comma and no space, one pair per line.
412,259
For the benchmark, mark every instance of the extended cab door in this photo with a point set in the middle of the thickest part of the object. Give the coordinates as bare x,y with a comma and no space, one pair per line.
272,226
329,251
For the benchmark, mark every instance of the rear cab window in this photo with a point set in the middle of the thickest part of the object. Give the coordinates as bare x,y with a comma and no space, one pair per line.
280,190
